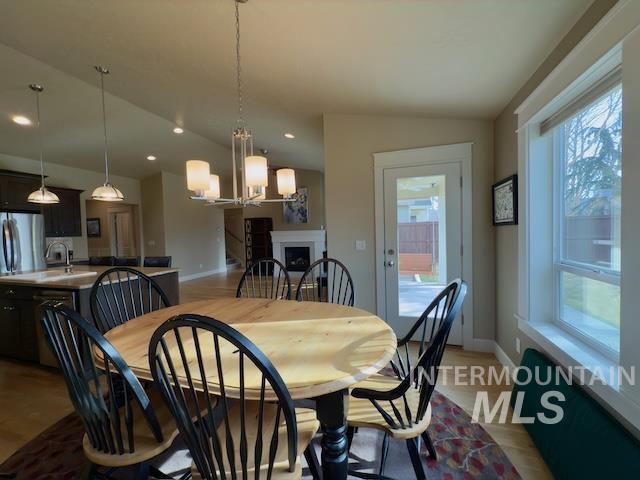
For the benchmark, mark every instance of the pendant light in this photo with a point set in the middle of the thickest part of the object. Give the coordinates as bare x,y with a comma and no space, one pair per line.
107,192
43,195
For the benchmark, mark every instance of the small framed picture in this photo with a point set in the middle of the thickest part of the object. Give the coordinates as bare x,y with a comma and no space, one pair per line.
93,227
505,201
297,211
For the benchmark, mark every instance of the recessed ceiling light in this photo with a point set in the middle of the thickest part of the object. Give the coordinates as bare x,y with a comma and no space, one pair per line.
21,120
289,135
178,130
151,157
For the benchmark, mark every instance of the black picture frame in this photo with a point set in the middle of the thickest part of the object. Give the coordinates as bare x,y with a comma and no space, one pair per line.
93,227
505,208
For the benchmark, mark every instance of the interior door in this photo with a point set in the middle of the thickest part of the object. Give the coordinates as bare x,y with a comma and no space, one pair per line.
121,239
422,240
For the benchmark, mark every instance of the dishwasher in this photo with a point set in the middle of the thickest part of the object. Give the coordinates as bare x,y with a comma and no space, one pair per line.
40,298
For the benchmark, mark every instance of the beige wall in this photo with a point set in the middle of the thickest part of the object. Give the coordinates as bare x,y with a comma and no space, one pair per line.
311,179
153,221
194,233
349,144
175,225
86,180
506,159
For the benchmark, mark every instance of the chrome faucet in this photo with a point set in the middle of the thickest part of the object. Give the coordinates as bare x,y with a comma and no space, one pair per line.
68,268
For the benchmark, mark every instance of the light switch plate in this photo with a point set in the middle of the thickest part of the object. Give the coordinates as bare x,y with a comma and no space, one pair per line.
361,245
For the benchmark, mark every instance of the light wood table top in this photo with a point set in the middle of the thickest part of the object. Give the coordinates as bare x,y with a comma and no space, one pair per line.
317,348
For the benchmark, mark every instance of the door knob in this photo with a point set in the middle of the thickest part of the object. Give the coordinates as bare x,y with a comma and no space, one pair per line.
390,263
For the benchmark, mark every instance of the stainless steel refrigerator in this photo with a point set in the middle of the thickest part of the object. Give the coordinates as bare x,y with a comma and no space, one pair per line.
23,242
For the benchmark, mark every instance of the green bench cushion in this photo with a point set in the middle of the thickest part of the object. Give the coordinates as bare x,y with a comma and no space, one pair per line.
588,443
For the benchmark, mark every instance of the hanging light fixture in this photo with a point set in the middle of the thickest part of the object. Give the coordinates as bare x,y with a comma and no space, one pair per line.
43,194
253,169
106,192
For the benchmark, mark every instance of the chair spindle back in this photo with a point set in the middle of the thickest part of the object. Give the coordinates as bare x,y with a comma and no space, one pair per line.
122,293
326,280
265,278
187,351
97,397
420,379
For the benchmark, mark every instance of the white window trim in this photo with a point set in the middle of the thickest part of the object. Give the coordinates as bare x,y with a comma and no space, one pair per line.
562,265
593,57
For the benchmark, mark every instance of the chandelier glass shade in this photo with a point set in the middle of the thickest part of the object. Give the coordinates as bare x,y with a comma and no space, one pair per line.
106,192
250,172
198,176
286,178
213,192
42,195
256,171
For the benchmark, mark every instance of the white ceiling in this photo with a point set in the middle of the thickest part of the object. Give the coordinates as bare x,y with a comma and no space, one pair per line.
173,62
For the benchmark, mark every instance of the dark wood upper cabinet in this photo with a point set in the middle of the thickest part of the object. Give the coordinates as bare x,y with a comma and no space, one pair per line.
60,220
15,189
63,219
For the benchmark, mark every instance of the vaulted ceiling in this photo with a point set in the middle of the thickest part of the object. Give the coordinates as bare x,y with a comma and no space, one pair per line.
172,62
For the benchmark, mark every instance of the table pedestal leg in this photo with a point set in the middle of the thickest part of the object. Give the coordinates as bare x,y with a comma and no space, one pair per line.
332,411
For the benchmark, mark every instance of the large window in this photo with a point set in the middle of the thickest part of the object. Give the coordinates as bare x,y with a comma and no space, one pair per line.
588,153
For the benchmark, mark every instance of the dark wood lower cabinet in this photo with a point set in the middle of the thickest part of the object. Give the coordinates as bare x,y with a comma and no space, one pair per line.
21,335
18,338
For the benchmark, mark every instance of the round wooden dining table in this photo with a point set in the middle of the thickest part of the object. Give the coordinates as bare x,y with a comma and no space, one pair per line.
319,349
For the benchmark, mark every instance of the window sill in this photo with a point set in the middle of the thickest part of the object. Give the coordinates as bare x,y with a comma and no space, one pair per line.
569,351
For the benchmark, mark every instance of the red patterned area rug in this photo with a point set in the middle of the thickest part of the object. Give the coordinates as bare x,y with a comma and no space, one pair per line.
465,451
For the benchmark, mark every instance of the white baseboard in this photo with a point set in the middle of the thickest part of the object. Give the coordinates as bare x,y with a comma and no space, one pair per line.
195,276
482,345
491,346
503,358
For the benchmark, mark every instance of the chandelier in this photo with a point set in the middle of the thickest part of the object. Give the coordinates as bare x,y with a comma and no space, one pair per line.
252,169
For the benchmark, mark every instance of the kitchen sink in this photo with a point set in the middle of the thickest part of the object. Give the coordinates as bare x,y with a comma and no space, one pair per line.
45,276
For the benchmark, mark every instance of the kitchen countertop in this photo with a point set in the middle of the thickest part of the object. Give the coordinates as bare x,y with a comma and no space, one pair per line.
78,283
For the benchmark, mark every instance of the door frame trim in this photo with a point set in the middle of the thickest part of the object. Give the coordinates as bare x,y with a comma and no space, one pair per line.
461,153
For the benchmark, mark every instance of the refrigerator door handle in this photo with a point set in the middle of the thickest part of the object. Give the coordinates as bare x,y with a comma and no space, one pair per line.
5,239
12,237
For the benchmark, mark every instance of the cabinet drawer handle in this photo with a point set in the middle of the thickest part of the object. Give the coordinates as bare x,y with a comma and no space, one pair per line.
9,308
9,292
52,298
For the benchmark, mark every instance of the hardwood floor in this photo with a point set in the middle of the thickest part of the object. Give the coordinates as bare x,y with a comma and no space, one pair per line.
32,398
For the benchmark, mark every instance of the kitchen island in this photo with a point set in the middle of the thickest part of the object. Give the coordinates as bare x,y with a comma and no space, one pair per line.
22,295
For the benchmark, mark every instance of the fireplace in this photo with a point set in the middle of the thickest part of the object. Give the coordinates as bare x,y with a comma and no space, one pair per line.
297,259
310,243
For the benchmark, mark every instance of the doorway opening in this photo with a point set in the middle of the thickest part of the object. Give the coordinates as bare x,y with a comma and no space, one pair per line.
118,233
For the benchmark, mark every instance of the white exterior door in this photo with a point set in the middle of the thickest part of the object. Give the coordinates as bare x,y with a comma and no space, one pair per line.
422,240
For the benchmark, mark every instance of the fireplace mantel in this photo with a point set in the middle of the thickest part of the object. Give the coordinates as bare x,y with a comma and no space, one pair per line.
314,239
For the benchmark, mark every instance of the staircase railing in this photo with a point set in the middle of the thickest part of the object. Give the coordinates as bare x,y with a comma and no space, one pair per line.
234,245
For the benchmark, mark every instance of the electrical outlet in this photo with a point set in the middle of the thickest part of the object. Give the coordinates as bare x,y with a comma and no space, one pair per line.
361,245
517,345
